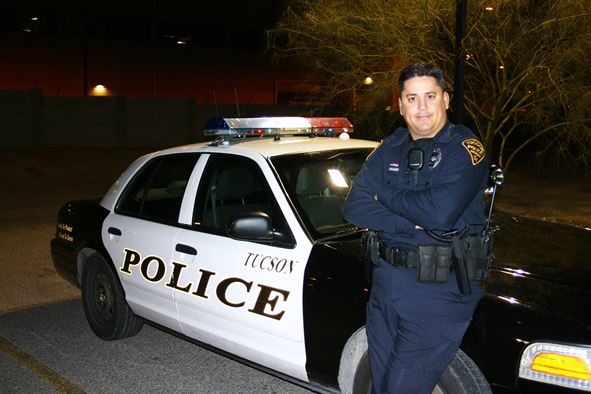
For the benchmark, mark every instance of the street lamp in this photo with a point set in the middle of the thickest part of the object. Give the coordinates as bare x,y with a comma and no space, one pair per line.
100,90
368,81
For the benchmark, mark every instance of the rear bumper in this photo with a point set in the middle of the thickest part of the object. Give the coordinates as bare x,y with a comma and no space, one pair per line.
64,261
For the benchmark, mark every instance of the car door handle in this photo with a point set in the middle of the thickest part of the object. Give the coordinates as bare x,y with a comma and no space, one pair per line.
114,231
186,249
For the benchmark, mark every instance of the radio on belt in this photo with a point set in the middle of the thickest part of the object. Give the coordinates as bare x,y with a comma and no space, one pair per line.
277,126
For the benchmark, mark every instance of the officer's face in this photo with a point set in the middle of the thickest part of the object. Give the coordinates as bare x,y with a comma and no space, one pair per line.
423,104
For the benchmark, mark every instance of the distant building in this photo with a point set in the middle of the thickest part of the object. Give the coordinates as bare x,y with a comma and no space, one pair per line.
114,48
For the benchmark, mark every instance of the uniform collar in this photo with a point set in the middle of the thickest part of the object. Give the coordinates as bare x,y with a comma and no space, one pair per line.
402,135
444,135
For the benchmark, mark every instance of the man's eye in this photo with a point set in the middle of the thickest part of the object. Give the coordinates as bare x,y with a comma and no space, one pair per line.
412,99
431,97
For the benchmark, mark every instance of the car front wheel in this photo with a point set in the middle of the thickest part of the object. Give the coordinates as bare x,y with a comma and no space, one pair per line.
104,303
461,376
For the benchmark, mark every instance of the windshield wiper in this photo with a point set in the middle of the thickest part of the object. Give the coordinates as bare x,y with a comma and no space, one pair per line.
339,234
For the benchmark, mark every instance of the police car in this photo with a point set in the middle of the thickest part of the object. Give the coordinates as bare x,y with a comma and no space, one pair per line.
239,244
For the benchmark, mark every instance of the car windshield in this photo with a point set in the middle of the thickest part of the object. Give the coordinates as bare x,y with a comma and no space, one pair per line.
318,183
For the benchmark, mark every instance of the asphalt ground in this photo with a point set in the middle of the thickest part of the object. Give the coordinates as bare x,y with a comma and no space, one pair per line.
51,349
45,343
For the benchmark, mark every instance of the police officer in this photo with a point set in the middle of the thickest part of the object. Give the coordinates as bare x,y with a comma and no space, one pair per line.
422,184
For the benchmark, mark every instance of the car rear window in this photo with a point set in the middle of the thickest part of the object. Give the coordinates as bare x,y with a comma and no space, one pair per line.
156,191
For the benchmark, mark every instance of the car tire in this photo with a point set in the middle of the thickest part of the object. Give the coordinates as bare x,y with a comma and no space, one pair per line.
354,376
461,376
362,377
104,303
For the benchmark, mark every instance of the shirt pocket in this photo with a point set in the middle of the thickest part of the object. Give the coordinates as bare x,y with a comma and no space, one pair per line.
396,178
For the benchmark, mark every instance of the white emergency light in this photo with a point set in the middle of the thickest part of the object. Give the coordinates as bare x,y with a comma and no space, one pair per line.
276,126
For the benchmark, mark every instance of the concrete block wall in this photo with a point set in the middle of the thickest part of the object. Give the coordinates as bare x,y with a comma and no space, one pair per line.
28,119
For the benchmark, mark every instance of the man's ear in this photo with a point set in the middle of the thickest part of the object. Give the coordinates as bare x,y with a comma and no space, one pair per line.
400,106
446,99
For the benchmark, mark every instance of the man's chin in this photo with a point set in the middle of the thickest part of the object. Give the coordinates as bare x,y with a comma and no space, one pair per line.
423,132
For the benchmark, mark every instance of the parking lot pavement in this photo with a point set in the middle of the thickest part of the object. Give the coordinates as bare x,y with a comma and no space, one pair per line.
51,349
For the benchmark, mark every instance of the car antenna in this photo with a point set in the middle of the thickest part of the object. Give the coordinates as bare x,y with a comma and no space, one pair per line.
236,98
215,101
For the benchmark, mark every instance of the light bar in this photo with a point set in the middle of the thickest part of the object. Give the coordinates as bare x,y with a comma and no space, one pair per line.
273,126
330,126
561,365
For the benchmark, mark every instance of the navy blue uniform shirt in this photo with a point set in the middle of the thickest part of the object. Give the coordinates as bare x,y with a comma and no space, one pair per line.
445,194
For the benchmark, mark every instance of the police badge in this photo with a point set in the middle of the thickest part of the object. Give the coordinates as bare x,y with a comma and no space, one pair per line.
435,158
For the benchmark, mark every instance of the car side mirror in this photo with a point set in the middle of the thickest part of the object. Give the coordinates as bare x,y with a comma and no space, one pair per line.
257,227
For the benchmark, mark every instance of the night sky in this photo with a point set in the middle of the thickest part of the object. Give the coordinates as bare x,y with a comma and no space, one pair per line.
136,48
240,23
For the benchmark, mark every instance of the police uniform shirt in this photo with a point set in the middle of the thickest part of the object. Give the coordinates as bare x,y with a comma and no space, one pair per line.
445,194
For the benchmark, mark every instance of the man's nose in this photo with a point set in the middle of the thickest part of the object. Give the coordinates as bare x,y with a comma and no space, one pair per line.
422,103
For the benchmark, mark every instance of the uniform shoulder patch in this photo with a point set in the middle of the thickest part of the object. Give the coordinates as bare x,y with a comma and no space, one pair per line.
475,150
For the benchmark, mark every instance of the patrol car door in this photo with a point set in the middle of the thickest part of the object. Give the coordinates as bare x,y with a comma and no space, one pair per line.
139,234
244,297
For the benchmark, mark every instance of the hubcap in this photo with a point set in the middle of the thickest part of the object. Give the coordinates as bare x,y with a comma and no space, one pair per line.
103,297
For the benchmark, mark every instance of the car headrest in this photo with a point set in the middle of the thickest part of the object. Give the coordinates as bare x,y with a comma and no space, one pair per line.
234,183
311,180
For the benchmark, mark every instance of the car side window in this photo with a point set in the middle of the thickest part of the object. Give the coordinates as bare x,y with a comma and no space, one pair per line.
156,192
231,186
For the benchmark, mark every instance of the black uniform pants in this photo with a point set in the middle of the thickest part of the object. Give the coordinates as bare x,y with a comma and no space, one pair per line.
414,328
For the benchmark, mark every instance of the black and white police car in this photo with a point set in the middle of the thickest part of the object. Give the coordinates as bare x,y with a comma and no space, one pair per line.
240,245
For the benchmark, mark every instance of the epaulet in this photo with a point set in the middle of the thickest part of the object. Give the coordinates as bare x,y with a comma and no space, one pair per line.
461,129
397,137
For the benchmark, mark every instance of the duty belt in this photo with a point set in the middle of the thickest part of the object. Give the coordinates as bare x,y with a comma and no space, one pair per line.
398,257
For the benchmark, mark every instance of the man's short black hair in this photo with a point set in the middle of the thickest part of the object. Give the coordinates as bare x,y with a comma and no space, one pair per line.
421,70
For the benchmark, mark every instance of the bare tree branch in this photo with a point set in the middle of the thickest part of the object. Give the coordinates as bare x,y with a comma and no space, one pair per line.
526,80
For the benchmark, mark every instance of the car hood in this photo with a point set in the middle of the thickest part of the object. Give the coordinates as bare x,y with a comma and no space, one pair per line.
543,265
